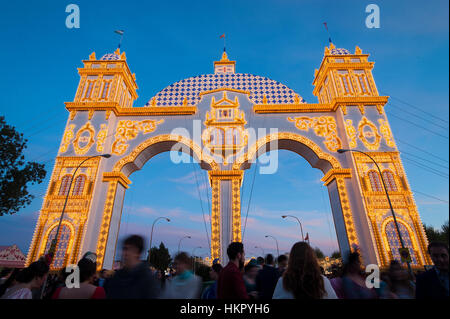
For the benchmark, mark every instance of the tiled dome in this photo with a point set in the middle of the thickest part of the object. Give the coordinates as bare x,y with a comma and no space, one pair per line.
339,51
110,56
258,86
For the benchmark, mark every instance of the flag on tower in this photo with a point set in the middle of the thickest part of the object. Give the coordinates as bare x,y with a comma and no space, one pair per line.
307,237
326,28
120,32
222,36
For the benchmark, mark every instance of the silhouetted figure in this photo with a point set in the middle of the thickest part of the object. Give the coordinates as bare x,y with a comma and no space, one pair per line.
185,285
250,273
282,264
9,279
32,277
434,284
260,262
353,282
87,267
210,292
134,280
302,278
399,282
267,279
231,284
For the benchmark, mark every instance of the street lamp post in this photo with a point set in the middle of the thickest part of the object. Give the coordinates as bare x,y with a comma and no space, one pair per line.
179,243
278,251
388,198
301,228
54,242
151,235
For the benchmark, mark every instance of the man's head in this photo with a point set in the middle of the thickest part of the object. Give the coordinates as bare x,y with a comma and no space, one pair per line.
269,259
214,271
260,261
236,253
439,255
282,261
131,250
181,263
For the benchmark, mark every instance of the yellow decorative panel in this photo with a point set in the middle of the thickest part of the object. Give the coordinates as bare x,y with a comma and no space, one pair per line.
101,137
386,132
128,130
368,134
67,138
351,133
84,139
324,126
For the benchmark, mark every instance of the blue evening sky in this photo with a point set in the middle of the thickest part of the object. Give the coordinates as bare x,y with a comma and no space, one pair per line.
166,41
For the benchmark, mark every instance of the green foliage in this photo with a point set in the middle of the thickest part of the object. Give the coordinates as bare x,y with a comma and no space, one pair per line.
441,235
160,257
15,172
319,253
336,255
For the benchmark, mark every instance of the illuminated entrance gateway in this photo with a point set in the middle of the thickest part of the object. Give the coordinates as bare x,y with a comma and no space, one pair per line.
217,113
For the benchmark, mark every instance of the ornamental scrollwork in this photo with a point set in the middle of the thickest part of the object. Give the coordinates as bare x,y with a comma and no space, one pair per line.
101,137
128,130
351,133
368,134
68,136
84,139
324,126
386,132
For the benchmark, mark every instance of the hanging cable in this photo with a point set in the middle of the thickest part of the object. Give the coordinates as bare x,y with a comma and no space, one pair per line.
431,196
418,116
417,108
199,193
422,150
426,168
424,159
417,125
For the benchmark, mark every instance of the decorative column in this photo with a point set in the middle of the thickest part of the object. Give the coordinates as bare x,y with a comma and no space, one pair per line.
226,211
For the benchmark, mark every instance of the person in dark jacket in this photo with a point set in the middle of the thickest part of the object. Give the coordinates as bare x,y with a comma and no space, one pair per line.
267,279
434,284
230,284
135,280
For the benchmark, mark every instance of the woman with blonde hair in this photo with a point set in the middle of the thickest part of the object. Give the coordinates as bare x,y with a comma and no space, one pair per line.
303,278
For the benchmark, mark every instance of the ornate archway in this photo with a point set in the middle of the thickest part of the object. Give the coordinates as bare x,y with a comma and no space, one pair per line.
226,120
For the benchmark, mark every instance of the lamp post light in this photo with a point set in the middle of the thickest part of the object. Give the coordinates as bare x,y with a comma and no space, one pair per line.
151,235
179,243
388,198
301,228
278,251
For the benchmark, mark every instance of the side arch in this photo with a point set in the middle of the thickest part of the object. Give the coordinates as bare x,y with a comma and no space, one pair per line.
293,142
159,144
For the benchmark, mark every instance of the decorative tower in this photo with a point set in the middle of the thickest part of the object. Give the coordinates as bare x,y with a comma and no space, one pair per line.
106,87
345,82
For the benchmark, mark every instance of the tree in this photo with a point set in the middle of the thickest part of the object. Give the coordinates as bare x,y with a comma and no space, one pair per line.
160,257
336,254
15,172
319,253
441,235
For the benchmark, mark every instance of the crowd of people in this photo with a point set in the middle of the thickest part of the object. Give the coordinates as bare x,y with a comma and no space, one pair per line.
293,276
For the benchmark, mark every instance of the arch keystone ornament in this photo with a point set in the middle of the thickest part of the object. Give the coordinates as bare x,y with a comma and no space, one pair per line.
226,121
